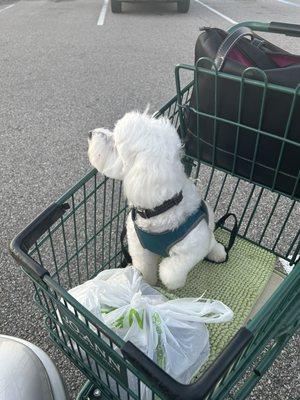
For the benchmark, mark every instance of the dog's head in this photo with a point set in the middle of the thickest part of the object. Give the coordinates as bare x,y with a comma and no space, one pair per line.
142,151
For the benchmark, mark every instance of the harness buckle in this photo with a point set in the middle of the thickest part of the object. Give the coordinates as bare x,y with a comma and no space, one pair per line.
144,213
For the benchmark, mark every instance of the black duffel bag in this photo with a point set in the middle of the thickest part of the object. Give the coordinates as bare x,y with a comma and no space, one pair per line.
248,151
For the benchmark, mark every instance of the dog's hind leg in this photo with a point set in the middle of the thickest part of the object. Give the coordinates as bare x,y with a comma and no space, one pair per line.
184,255
143,260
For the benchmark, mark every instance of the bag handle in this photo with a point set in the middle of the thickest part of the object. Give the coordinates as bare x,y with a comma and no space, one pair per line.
229,43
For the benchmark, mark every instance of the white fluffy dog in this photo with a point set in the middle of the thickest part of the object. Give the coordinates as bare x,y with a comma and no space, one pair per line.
145,153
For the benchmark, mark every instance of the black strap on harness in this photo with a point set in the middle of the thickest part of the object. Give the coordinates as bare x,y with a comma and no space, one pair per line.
127,257
165,206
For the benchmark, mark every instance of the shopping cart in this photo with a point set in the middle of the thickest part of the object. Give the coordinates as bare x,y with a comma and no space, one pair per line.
78,236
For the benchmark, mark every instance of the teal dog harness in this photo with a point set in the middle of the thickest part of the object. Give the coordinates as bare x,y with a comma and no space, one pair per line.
161,243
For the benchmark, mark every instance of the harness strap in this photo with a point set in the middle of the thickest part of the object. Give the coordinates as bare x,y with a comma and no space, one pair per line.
165,206
127,257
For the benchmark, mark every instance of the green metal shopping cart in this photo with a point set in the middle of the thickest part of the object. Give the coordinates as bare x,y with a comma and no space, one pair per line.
78,236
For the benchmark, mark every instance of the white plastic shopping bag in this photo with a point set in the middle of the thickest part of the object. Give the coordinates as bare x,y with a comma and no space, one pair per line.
171,332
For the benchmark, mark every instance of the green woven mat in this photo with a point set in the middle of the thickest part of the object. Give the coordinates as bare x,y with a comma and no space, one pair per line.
238,283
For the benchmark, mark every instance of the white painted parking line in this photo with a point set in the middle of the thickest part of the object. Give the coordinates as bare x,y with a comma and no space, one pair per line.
232,21
290,3
6,8
103,13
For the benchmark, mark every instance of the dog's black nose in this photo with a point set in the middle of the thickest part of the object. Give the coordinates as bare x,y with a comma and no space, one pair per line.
90,134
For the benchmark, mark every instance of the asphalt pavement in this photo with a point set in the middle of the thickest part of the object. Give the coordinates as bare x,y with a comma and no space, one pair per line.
68,66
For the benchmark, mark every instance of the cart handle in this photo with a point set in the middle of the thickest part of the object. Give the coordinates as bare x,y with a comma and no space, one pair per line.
169,388
22,243
271,27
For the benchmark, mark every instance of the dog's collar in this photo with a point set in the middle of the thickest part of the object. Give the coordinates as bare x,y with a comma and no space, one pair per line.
165,206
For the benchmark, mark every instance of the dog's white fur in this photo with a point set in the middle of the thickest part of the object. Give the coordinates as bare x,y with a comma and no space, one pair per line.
145,153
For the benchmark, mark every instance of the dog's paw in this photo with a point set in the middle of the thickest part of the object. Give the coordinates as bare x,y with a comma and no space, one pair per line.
170,278
218,254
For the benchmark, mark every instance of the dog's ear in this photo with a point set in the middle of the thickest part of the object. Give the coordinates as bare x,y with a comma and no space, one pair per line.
113,167
150,150
103,154
152,180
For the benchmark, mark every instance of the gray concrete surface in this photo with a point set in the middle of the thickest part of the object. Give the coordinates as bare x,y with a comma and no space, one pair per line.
60,76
